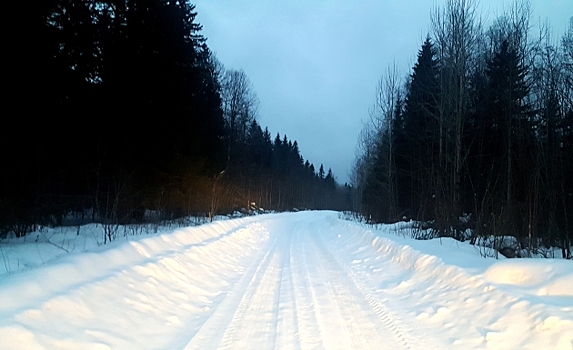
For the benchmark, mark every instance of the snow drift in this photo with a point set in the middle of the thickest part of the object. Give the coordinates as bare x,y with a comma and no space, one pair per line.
306,280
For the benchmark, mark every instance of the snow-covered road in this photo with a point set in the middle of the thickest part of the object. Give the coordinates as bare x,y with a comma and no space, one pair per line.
285,281
297,295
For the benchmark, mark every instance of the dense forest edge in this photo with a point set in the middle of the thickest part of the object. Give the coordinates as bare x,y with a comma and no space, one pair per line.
122,114
476,143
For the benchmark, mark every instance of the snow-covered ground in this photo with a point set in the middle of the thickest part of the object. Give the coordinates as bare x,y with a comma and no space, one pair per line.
304,280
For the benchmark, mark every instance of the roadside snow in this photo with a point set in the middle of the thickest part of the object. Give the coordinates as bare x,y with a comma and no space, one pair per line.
293,280
474,302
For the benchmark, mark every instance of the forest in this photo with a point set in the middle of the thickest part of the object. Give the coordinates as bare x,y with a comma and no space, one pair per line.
122,114
478,137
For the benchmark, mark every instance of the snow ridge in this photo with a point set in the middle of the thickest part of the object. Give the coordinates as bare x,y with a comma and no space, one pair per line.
438,294
303,280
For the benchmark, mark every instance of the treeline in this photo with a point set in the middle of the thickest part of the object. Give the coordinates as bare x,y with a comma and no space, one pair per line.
267,172
118,109
480,135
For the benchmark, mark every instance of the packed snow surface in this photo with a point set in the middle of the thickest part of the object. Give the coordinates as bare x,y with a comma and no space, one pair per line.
304,280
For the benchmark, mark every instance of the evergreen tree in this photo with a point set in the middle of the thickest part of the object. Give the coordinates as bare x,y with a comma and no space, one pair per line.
418,141
140,74
510,129
321,172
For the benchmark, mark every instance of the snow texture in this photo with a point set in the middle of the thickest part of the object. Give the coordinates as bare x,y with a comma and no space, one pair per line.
305,280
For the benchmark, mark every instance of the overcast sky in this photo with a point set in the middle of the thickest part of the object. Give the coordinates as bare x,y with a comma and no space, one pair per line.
314,64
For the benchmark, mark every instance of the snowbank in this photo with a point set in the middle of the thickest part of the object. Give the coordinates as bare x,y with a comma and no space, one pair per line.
133,294
476,302
158,291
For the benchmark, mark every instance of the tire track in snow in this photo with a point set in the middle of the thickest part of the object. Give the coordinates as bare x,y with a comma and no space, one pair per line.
310,320
287,308
390,322
218,325
361,323
255,319
333,330
298,295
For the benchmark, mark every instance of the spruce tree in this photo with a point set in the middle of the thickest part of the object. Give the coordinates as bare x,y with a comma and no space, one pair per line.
418,140
511,132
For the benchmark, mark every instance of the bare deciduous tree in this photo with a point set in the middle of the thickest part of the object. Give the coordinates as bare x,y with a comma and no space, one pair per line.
456,31
240,104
